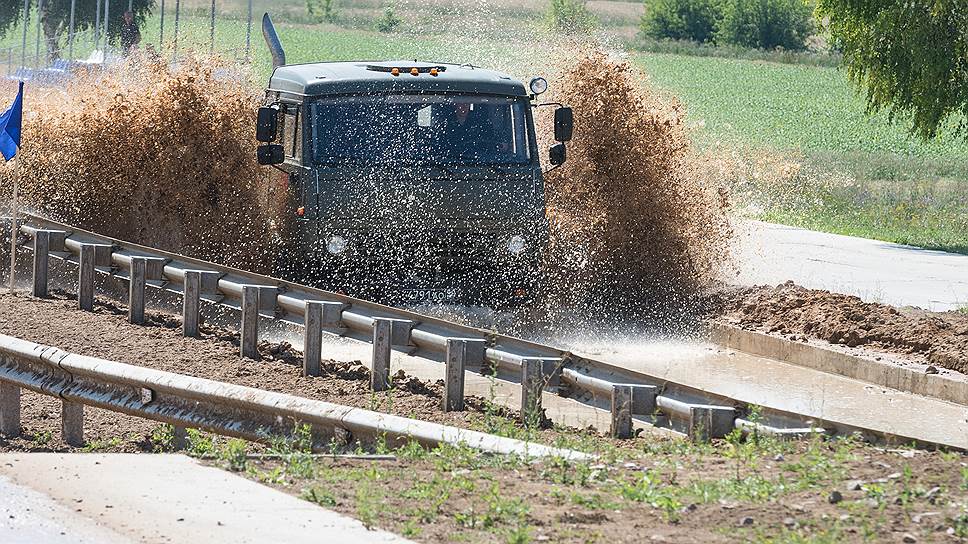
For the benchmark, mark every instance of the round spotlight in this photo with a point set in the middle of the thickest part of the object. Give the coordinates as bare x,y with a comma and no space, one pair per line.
517,244
336,244
538,85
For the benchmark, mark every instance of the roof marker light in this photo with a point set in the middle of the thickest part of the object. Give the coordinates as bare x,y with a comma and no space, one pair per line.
414,71
433,71
395,71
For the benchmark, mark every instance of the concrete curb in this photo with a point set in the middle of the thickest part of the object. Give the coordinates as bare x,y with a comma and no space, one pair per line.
950,386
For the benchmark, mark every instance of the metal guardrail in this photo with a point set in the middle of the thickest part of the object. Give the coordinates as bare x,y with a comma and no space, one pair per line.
223,408
629,395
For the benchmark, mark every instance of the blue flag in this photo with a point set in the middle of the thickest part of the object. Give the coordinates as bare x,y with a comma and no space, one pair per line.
10,122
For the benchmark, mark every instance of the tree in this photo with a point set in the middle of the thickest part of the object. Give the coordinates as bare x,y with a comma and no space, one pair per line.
55,18
766,24
570,16
694,20
322,10
911,56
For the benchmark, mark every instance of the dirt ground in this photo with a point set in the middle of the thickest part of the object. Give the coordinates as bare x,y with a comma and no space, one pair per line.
939,339
656,489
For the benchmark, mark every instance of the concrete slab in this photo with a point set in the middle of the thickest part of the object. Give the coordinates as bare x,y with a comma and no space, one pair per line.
163,499
872,270
765,382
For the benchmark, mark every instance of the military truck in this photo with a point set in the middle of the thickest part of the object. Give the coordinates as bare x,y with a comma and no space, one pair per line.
409,182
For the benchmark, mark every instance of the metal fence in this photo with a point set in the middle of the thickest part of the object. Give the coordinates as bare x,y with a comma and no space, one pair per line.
32,56
627,394
227,409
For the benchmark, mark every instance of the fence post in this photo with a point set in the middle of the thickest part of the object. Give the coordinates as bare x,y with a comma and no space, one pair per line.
85,287
136,290
621,426
41,262
710,421
313,338
532,384
191,302
250,321
382,343
9,409
72,423
179,438
454,365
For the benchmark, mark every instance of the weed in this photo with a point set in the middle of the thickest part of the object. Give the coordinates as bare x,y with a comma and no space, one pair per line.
42,438
960,524
199,443
367,505
99,445
319,496
650,489
876,492
234,454
163,438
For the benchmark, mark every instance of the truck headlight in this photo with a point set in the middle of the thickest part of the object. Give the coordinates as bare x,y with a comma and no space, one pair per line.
517,244
336,244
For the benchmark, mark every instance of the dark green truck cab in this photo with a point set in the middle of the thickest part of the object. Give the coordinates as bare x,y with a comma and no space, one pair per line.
409,182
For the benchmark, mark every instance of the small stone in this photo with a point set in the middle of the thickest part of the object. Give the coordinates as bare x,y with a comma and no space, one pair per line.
789,522
854,485
779,457
950,531
881,464
894,476
931,369
746,522
658,538
845,517
908,454
909,538
917,518
932,494
835,497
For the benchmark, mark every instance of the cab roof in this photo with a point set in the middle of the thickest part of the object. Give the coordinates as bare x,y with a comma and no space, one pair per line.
329,78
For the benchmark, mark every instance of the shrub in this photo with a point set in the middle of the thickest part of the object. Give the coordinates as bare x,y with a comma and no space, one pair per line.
390,21
322,10
570,16
766,24
694,20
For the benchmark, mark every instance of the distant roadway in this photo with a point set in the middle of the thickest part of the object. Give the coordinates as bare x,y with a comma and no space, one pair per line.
895,274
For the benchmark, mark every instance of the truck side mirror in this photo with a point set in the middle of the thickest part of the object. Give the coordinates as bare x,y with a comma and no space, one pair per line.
268,123
564,124
557,154
270,154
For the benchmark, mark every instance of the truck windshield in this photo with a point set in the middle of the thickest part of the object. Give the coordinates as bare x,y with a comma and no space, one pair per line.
414,129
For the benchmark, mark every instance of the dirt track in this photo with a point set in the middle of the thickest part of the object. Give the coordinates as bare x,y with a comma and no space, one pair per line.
939,339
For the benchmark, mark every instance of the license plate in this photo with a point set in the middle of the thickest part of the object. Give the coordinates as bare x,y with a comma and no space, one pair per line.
429,295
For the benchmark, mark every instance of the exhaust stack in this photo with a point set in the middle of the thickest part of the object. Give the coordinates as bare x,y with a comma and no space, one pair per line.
272,40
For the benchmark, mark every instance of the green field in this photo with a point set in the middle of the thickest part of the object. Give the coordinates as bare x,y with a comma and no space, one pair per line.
854,173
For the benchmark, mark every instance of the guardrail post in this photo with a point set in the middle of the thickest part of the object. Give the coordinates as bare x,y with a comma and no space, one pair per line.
85,287
461,353
179,438
250,321
382,344
532,384
9,409
136,290
191,302
72,423
41,262
621,426
706,421
643,399
313,338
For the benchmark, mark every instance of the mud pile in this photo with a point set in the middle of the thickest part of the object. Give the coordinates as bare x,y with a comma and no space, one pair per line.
635,227
941,339
155,155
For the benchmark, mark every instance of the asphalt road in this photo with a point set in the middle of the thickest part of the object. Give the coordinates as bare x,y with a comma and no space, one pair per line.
875,271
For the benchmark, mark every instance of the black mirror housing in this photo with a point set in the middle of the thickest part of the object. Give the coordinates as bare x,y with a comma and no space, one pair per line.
268,123
564,124
557,154
270,154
